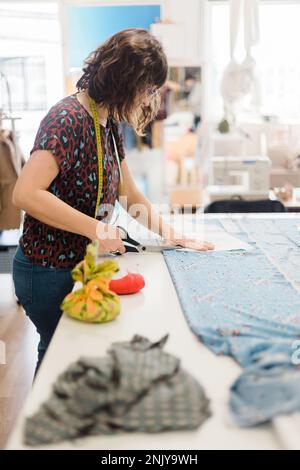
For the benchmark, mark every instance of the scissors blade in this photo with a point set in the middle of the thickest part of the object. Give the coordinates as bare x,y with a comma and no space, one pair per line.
145,246
155,246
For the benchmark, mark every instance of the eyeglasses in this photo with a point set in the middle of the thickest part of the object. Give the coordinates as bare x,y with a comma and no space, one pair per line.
153,92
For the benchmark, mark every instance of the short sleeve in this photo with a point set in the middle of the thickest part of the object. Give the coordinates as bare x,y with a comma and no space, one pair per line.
57,135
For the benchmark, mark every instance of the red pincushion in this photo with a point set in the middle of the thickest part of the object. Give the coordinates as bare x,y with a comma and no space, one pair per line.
129,284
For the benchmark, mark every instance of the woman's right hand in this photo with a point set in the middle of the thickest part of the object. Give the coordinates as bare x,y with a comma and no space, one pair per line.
109,239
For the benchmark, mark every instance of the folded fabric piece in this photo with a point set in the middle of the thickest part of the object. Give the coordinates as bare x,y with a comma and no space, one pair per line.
136,387
247,305
269,387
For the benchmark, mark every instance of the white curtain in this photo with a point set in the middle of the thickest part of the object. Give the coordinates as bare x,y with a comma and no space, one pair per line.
239,79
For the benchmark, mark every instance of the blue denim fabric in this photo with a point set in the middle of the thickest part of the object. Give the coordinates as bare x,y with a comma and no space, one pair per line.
246,305
40,290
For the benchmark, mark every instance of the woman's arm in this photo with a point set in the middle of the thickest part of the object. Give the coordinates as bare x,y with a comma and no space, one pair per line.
31,195
145,213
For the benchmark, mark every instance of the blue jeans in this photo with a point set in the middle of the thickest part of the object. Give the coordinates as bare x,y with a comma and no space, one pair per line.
40,290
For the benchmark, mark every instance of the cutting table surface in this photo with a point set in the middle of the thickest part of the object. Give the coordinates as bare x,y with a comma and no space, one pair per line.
153,312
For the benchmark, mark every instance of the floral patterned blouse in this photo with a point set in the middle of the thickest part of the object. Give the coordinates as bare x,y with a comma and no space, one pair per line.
68,132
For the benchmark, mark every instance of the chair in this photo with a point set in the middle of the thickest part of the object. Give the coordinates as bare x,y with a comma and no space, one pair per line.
241,206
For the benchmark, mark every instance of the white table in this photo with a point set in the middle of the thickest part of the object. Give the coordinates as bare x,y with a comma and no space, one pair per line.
153,312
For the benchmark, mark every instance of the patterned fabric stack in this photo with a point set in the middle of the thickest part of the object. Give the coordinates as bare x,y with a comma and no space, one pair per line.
136,387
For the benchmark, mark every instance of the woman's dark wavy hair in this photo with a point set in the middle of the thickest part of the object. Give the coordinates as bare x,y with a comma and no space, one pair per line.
119,73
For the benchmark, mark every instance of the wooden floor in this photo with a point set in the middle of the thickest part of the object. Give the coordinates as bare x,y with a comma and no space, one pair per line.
19,339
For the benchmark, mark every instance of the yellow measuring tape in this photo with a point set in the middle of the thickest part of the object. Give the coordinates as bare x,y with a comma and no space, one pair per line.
99,154
99,151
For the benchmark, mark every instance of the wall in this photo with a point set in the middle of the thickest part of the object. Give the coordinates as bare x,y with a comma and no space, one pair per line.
189,14
89,26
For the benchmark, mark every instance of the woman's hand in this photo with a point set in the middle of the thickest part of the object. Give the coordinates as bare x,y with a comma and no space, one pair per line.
109,239
185,242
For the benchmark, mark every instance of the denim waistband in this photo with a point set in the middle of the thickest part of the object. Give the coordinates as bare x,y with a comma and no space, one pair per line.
19,255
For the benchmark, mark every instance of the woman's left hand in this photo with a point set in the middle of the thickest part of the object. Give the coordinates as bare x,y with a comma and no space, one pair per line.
191,243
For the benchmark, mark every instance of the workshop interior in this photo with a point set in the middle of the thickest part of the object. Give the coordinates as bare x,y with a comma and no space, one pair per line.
149,225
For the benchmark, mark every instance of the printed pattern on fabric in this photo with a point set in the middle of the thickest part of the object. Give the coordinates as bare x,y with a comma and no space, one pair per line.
247,305
136,387
67,131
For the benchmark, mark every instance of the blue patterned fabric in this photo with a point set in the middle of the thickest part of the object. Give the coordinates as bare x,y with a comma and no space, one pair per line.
246,304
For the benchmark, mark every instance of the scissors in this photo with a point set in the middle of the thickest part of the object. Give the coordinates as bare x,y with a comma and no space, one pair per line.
144,246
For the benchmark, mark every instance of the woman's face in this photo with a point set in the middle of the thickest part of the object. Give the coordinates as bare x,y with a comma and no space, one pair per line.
145,107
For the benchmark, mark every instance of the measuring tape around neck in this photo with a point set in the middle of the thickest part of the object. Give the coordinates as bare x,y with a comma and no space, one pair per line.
99,154
99,151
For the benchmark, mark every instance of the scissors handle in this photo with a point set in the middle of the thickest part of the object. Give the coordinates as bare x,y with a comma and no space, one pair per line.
126,238
130,244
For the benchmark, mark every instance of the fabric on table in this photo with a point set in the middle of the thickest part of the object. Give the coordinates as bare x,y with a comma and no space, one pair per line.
267,388
247,305
136,387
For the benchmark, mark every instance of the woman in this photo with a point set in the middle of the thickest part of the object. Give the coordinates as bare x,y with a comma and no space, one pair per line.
74,171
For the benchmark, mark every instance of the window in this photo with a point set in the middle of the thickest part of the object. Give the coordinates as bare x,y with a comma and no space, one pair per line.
27,80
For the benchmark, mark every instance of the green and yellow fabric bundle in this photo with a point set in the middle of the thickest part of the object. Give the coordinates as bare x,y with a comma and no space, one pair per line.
94,302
